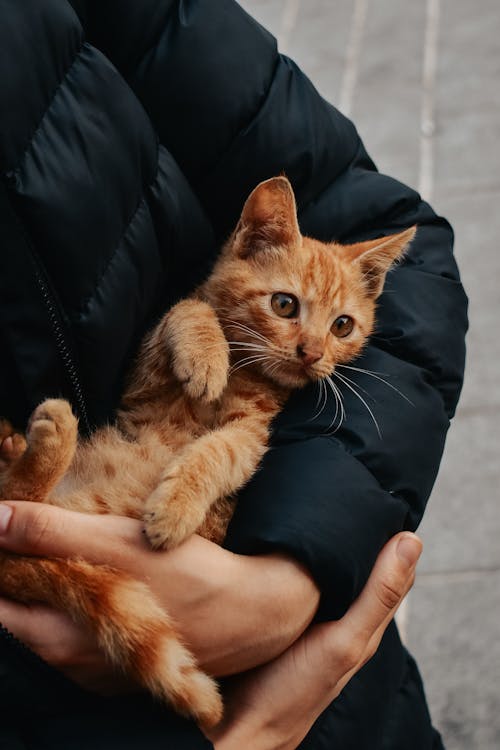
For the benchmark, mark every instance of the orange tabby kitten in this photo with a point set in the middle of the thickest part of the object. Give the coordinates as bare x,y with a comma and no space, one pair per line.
284,310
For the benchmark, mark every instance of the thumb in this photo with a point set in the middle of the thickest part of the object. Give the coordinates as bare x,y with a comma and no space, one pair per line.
39,529
354,639
388,584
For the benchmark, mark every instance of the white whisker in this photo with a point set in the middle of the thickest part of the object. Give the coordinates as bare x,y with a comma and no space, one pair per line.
247,329
271,369
257,349
353,382
320,391
360,397
320,384
323,397
253,355
339,402
377,376
247,361
246,343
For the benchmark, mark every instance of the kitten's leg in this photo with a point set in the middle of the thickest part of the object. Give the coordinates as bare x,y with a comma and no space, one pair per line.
189,328
131,628
50,447
214,466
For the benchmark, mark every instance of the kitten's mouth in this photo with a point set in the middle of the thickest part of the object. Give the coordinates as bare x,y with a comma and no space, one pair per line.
310,373
295,374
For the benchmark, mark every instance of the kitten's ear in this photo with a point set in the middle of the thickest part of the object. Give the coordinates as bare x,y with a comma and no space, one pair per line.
375,257
268,219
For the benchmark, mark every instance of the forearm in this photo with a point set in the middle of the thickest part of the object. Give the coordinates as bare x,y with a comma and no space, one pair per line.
288,599
274,707
256,606
234,612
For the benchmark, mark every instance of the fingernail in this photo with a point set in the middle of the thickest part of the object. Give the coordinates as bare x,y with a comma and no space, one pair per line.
409,549
5,516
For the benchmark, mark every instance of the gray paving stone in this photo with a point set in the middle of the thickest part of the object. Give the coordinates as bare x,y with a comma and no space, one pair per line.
267,12
318,43
476,219
454,634
461,527
317,39
468,133
387,101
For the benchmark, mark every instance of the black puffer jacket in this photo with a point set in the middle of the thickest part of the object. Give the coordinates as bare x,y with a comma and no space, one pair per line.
130,135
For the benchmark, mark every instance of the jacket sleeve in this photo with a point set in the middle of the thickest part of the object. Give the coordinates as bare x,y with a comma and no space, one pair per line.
235,113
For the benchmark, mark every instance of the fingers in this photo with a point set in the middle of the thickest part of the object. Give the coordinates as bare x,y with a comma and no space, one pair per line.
49,633
65,645
354,639
39,529
389,582
16,618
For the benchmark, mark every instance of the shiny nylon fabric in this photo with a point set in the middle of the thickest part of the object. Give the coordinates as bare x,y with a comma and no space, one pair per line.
127,149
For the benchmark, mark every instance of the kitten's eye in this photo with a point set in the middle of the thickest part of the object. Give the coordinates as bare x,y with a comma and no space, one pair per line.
285,305
342,327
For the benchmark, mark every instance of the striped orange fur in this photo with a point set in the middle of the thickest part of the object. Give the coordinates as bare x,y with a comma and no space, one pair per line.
278,311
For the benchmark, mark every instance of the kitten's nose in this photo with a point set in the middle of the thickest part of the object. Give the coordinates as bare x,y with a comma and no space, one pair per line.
309,355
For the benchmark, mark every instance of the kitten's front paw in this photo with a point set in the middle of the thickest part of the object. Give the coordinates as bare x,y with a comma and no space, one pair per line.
204,375
199,352
172,513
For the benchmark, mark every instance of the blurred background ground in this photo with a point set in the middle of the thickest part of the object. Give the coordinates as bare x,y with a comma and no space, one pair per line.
421,80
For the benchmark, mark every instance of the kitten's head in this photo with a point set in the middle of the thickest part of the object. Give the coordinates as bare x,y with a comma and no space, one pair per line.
296,305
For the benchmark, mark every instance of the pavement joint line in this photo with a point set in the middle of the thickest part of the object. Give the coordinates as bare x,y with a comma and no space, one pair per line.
427,112
352,56
455,576
479,410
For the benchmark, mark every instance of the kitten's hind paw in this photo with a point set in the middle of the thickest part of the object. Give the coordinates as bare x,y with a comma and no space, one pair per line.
51,436
52,424
12,444
6,429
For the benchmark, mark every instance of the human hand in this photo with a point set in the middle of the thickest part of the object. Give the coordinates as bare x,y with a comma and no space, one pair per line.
274,706
233,611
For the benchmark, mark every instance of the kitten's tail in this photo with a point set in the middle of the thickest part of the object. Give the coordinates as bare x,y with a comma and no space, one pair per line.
131,627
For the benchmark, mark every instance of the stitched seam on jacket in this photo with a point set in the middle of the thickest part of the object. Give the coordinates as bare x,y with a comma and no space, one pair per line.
83,308
250,123
322,191
242,129
132,69
56,317
14,170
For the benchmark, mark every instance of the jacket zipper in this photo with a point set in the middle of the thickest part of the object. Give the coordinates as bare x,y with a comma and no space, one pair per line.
51,305
63,348
67,359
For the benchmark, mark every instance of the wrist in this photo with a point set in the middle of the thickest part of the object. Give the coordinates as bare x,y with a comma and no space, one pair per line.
287,594
256,734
